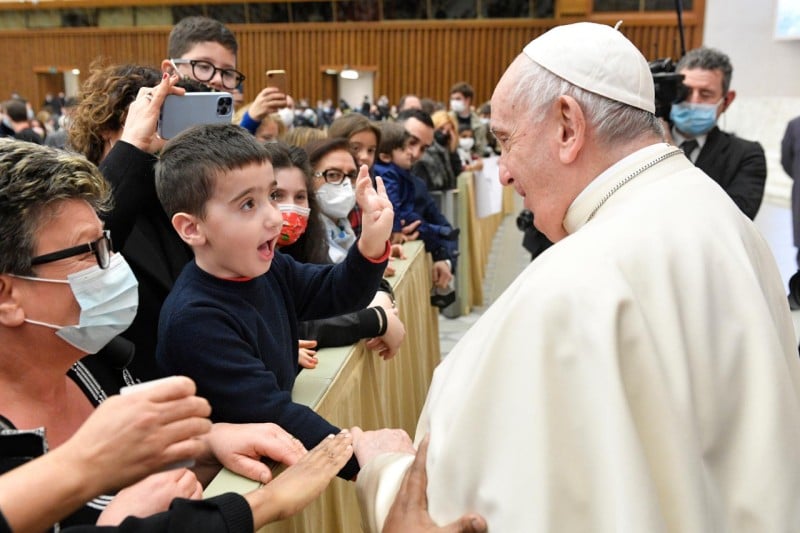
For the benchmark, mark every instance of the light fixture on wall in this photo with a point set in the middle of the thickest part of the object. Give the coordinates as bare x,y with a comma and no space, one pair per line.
348,74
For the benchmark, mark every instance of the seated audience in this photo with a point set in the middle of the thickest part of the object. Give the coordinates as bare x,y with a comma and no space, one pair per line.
230,322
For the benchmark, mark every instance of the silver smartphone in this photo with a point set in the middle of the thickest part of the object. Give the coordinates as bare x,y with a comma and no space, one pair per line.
180,112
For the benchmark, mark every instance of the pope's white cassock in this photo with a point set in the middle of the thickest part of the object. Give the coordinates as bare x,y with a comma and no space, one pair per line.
640,376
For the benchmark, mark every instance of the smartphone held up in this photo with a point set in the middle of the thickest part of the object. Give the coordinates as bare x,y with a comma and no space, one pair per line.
180,112
277,78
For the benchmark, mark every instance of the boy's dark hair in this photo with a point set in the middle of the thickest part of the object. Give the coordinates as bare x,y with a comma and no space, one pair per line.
464,127
16,110
393,136
192,30
318,149
708,59
418,114
312,246
193,160
463,88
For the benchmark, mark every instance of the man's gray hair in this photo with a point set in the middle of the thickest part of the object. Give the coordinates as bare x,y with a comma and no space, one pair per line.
612,121
708,59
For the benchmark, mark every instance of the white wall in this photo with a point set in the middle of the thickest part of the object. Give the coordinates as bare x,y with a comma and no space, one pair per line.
766,77
353,91
762,65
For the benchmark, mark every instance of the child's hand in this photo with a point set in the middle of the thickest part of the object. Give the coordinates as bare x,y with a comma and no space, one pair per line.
377,215
306,355
441,274
397,251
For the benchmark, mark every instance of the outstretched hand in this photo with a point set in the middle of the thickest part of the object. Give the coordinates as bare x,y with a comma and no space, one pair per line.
299,484
409,512
240,447
377,215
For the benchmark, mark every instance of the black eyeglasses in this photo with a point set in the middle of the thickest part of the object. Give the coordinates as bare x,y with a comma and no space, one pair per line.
335,176
204,71
101,249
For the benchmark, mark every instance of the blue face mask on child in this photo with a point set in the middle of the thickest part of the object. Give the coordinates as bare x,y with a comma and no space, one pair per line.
694,119
108,299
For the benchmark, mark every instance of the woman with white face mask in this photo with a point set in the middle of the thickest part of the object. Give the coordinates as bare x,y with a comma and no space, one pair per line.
334,170
470,161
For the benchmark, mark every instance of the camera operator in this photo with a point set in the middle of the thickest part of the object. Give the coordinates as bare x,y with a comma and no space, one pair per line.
737,165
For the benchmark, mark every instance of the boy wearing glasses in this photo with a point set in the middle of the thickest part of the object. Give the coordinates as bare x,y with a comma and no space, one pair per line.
205,50
230,322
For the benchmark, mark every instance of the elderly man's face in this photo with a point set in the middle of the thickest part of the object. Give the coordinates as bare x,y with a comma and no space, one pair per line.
527,159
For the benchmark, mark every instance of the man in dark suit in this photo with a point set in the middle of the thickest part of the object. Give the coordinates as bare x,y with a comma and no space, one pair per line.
790,161
739,166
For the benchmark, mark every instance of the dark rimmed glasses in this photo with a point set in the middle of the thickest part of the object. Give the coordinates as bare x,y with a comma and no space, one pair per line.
335,176
101,248
204,71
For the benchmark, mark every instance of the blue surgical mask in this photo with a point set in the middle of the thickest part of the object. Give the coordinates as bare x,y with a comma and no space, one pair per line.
694,119
108,299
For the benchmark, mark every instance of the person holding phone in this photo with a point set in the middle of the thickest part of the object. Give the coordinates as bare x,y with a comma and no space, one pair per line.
205,50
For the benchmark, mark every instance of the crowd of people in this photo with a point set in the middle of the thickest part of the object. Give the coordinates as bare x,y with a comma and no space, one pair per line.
645,361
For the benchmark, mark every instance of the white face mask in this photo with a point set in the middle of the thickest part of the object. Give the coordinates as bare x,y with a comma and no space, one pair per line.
457,106
336,201
287,116
466,143
108,299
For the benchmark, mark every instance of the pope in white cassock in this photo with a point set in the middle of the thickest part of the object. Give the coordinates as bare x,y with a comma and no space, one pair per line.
642,374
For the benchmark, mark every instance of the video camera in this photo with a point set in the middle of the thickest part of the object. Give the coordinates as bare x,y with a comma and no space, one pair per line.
668,85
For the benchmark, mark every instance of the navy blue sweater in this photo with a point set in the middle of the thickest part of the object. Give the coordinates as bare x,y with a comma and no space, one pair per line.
238,339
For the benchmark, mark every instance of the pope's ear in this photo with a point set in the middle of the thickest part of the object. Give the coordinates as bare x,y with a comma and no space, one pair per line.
189,228
11,312
572,128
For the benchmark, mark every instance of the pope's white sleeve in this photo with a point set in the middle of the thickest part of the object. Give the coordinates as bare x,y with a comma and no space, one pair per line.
377,485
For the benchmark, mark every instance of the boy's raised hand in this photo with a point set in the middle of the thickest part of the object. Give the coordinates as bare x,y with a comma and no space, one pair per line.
377,215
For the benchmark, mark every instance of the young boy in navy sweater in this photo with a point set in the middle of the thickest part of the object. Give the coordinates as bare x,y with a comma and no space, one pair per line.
395,158
230,322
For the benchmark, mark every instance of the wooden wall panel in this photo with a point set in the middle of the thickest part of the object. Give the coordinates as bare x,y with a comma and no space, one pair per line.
424,57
